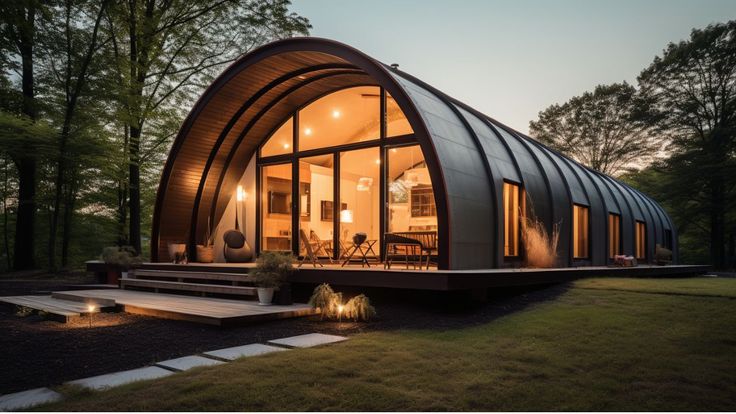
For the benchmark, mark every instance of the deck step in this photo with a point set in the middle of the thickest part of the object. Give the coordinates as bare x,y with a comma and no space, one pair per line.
62,309
70,296
191,275
190,287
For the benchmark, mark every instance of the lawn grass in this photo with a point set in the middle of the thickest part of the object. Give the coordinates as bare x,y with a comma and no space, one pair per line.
589,348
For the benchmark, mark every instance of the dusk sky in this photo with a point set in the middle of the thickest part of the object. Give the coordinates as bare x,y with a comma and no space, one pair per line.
512,59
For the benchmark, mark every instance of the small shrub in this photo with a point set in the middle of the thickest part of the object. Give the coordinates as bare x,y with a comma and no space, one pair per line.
359,308
272,269
125,257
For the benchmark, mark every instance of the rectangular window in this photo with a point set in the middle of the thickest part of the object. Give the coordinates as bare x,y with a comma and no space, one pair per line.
641,240
614,235
511,212
580,232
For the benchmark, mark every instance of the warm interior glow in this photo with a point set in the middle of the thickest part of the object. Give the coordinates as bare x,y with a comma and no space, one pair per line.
580,232
410,194
346,216
614,235
641,240
307,131
364,184
240,193
396,122
346,116
378,161
276,207
511,211
280,141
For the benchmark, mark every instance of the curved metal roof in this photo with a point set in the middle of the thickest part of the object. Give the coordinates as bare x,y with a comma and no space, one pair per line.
469,156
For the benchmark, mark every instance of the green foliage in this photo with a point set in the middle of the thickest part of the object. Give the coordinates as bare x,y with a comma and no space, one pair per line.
124,257
359,308
272,269
603,129
691,94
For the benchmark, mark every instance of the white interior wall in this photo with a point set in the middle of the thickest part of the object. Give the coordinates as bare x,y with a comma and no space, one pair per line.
227,222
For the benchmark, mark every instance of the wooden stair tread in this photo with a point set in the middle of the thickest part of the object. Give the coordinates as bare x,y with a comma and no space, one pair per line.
173,274
47,304
193,287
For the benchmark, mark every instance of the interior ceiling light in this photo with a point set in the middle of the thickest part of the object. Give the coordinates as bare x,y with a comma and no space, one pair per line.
335,114
378,161
307,131
286,146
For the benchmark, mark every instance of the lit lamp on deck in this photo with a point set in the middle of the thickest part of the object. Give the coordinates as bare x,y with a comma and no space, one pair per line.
91,309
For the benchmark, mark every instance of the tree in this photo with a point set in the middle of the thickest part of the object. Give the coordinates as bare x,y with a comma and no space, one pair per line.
691,90
166,51
71,50
18,24
604,129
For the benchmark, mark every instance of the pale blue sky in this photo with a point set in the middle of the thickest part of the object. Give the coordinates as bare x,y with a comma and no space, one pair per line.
511,59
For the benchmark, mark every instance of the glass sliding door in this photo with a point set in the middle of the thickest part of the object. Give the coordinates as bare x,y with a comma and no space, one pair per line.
316,218
276,202
360,195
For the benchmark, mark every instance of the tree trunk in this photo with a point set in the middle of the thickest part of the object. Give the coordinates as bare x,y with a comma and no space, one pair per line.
24,257
6,237
134,189
717,222
70,197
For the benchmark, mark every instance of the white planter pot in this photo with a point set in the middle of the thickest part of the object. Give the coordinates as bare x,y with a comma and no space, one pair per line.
265,296
124,275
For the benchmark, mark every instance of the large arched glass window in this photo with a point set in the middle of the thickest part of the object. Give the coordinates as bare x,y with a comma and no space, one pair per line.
344,117
347,179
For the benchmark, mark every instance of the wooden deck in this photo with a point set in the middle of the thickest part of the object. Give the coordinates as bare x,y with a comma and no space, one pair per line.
213,311
398,277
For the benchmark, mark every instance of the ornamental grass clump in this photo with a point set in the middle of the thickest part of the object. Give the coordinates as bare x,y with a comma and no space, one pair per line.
330,304
359,308
540,247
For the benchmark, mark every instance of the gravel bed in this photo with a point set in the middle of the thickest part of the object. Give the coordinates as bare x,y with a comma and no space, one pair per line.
39,352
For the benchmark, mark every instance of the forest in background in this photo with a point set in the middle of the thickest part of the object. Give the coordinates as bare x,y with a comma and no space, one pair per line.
673,136
92,93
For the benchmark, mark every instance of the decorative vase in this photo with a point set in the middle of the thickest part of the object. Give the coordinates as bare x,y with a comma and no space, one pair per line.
265,296
176,248
205,254
236,249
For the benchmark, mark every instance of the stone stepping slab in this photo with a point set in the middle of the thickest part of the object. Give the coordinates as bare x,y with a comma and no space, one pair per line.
121,378
28,399
188,362
236,352
308,340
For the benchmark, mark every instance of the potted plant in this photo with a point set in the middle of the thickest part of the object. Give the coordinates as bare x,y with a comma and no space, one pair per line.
119,261
271,271
206,251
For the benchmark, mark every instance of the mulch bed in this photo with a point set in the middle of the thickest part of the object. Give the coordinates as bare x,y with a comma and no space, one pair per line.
38,352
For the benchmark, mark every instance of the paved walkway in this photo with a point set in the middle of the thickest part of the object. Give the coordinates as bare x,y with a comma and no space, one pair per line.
38,396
